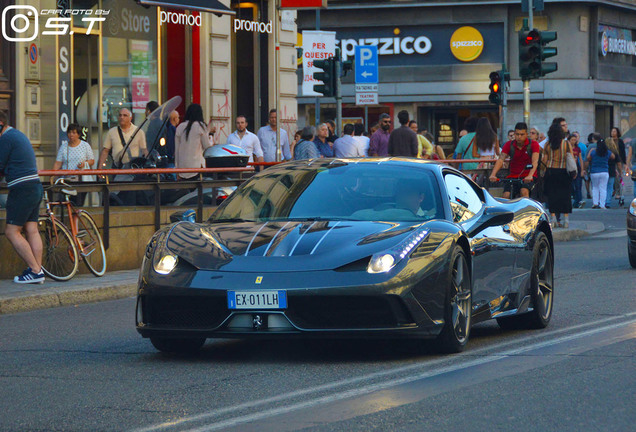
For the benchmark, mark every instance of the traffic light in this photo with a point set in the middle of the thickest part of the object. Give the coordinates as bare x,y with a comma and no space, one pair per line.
532,52
529,54
327,76
546,52
496,87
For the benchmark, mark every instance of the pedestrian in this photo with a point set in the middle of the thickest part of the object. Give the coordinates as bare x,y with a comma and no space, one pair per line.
325,148
486,145
74,154
523,153
577,183
592,139
424,147
438,151
18,166
374,127
154,130
597,162
267,137
615,137
305,148
346,146
171,130
534,133
403,141
465,144
295,141
191,140
246,140
119,137
332,131
379,143
614,167
511,134
630,167
557,180
362,140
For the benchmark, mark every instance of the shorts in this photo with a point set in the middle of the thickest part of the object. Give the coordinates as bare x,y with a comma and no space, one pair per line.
23,203
515,187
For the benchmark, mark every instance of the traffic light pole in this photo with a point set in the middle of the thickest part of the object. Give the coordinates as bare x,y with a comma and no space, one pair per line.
317,98
338,95
279,117
526,83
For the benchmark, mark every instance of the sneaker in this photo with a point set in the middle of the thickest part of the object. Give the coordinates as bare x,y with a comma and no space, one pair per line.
581,204
566,224
607,206
29,277
595,206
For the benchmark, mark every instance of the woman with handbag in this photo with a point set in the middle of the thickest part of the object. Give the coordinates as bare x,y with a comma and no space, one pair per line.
558,175
72,155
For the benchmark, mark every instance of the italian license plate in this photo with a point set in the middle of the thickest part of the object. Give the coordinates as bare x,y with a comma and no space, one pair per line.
257,299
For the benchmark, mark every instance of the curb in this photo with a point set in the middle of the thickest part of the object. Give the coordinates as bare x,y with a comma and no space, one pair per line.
569,235
64,297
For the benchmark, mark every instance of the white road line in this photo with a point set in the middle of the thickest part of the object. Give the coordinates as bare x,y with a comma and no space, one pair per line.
368,377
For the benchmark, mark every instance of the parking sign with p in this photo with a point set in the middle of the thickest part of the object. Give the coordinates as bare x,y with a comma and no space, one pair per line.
366,64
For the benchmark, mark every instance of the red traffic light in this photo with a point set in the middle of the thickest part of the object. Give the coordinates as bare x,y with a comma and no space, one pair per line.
532,37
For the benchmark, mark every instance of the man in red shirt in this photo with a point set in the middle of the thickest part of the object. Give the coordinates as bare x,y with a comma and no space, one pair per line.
524,154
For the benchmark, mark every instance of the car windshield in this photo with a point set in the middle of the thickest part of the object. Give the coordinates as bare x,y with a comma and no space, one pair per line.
361,191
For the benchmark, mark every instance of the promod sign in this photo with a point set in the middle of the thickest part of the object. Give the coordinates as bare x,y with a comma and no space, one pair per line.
303,4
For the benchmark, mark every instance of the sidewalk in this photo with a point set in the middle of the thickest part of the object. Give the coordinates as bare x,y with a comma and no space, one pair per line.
86,288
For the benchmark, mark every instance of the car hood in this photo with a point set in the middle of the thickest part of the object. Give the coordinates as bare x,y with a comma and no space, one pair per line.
282,246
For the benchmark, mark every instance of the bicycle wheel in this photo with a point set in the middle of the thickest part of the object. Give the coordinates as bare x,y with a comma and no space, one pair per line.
93,253
59,254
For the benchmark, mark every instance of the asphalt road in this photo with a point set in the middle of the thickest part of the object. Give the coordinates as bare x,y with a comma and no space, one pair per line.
85,368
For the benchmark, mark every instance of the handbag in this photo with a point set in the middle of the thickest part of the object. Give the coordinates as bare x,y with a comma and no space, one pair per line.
570,163
87,178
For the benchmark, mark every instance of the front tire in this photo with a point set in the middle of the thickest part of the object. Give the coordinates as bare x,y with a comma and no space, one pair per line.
458,305
59,253
631,253
177,346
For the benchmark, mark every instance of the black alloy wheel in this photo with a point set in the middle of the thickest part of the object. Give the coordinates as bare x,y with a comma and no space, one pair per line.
458,305
541,290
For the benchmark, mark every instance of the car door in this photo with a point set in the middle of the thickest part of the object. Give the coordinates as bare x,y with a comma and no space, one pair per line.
493,247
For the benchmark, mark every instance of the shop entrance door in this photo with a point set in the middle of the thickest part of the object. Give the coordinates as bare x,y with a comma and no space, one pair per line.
87,103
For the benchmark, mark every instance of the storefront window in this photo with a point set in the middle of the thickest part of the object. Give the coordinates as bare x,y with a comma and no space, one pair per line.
130,60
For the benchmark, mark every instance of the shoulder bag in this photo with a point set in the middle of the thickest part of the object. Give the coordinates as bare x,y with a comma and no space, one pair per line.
570,163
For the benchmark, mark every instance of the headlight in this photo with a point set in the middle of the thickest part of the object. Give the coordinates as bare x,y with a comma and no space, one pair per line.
384,261
632,207
163,260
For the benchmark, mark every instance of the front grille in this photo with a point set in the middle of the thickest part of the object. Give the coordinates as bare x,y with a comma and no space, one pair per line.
321,312
185,312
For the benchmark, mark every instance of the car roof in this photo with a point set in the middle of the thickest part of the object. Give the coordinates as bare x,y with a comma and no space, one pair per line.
395,161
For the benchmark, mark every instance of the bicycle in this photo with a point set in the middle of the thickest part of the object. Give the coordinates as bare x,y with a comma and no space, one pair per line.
62,247
512,182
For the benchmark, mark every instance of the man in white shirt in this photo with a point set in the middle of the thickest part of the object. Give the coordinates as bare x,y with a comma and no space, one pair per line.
267,138
247,140
346,146
115,142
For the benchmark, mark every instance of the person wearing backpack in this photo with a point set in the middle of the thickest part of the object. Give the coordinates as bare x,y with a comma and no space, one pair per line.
524,160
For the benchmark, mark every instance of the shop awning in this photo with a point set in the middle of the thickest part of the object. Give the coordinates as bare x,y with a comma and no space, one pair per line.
211,6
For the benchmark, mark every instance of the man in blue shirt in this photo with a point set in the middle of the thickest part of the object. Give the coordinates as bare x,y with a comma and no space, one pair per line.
17,164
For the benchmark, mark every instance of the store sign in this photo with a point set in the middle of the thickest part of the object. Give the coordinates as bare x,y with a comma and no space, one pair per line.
140,52
317,45
253,26
370,98
303,4
64,89
130,21
427,46
616,41
179,18
466,44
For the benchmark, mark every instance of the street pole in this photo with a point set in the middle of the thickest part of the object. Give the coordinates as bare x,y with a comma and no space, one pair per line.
338,94
279,117
526,83
317,99
504,108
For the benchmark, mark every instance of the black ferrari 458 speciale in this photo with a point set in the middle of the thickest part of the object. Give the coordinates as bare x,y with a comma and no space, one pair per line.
379,247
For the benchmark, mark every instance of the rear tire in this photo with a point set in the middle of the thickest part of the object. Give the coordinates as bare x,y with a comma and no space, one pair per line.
541,290
458,305
177,346
94,254
59,253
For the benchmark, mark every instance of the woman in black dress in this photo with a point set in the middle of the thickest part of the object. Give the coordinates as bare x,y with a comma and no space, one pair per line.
557,181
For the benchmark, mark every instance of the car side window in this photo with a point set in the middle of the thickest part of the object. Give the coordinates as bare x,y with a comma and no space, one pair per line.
464,201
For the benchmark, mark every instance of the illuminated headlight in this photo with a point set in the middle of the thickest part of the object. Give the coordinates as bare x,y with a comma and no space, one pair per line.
384,261
163,260
381,263
632,207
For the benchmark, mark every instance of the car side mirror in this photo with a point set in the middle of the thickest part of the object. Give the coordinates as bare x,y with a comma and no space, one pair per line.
183,216
492,216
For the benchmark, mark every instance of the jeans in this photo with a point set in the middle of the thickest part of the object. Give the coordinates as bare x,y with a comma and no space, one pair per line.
599,188
577,185
610,191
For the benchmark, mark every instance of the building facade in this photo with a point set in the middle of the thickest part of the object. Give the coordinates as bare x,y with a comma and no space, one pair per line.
426,69
219,54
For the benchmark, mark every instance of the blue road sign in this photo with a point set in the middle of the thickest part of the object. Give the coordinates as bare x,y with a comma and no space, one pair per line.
366,64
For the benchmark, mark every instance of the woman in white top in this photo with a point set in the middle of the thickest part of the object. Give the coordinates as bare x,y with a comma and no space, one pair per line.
191,140
76,154
486,145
